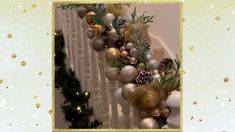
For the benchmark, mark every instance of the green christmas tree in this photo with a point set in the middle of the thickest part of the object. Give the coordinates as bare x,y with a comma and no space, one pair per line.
75,106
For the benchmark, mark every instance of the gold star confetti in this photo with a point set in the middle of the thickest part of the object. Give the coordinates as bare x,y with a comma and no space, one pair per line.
1,81
191,117
40,73
23,63
217,18
34,5
35,96
9,36
192,48
37,105
13,56
50,112
226,79
194,102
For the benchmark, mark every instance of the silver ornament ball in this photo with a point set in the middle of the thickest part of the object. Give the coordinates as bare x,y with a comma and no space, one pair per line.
108,18
128,74
152,64
128,89
112,73
149,123
118,96
129,46
133,52
98,45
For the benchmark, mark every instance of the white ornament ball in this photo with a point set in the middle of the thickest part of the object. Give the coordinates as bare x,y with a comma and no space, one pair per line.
134,52
108,18
118,96
149,123
128,74
112,73
128,89
152,64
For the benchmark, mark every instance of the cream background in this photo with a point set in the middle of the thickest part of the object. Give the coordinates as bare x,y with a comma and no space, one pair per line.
208,57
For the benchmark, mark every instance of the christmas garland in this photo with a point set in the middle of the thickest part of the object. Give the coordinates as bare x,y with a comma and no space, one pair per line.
127,46
75,106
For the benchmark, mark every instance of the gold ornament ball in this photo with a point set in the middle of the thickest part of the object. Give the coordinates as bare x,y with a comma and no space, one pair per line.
149,100
112,73
97,29
166,113
128,74
124,54
128,89
89,17
112,53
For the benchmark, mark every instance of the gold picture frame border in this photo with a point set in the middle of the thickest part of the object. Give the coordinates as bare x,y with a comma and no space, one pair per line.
54,2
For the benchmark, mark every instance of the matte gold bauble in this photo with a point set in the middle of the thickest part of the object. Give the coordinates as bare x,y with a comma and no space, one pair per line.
89,17
149,100
124,54
112,53
128,74
97,29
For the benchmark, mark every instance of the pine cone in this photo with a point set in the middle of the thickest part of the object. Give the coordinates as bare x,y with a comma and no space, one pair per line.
166,64
144,77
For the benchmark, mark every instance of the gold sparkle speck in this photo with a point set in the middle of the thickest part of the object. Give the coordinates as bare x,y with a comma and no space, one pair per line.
35,96
195,102
10,124
200,120
217,18
13,56
23,63
36,124
9,35
228,29
1,81
24,10
183,20
40,73
226,79
192,48
216,97
37,105
47,84
34,5
229,100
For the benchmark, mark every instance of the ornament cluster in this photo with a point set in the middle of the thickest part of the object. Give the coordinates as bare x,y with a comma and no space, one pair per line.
127,47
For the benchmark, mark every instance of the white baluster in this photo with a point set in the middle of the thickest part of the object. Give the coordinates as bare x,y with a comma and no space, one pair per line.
103,90
112,86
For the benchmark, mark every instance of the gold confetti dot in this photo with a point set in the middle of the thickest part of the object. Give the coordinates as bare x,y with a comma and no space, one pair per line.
35,96
183,20
226,79
1,81
9,36
217,18
34,5
47,84
192,48
36,124
24,10
13,56
7,87
200,120
23,63
50,112
191,117
10,124
195,102
40,73
229,100
37,105
228,29
47,33
216,97
183,72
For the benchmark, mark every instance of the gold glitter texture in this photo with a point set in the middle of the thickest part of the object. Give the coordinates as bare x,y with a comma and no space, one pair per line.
9,36
226,79
23,63
38,105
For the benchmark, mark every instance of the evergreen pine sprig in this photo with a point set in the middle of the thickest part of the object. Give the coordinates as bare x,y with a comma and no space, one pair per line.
118,62
143,18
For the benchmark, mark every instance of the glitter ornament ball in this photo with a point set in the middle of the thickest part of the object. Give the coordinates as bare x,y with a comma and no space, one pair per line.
112,53
89,17
149,100
153,64
98,44
112,73
97,29
128,74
